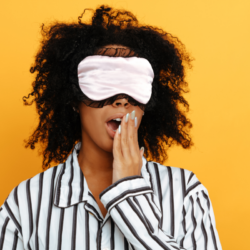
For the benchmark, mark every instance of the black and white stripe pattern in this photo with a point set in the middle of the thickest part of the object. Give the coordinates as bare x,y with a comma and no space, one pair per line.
164,208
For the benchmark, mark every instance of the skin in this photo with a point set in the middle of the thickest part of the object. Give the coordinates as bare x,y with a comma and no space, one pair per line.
103,159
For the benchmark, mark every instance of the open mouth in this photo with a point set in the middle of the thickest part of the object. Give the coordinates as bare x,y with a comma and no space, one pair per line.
113,124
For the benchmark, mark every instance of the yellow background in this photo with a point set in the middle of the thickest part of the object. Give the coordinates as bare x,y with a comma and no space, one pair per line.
215,32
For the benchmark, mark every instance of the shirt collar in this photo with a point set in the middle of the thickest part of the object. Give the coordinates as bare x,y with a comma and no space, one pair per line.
71,185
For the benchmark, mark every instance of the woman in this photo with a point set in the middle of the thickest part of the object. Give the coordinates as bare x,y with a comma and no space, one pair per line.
101,90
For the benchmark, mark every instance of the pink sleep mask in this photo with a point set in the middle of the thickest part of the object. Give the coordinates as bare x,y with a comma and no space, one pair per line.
101,77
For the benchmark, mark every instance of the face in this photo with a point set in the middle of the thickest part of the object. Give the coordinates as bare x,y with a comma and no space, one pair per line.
95,129
94,125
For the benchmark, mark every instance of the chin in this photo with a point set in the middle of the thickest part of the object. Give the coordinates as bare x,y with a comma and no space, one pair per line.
108,149
107,144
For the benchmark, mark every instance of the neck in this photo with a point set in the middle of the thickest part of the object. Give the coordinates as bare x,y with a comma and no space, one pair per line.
93,160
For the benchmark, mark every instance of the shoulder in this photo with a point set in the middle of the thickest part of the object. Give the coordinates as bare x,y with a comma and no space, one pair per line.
24,197
163,172
30,187
169,176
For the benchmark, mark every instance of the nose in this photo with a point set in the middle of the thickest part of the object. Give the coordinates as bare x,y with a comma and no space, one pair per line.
121,103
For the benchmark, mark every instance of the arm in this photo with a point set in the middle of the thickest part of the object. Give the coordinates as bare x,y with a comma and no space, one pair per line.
10,228
133,207
132,204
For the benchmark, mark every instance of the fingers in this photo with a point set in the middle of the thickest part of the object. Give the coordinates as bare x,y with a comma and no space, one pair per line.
132,136
126,143
124,137
129,141
117,145
126,151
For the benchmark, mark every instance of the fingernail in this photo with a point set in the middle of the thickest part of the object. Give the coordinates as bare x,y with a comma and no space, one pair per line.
142,148
135,121
127,116
119,129
133,115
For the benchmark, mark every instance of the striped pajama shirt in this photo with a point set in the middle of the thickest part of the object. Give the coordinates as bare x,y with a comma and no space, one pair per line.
163,208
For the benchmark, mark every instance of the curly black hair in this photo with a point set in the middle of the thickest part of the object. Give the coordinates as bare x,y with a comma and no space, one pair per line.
64,45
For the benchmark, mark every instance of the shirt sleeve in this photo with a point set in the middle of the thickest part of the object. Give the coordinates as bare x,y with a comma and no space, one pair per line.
135,209
10,227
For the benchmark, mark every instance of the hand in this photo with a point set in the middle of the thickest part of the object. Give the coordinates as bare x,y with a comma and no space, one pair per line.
126,152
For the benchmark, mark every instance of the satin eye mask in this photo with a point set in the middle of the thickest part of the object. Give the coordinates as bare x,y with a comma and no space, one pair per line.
101,77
